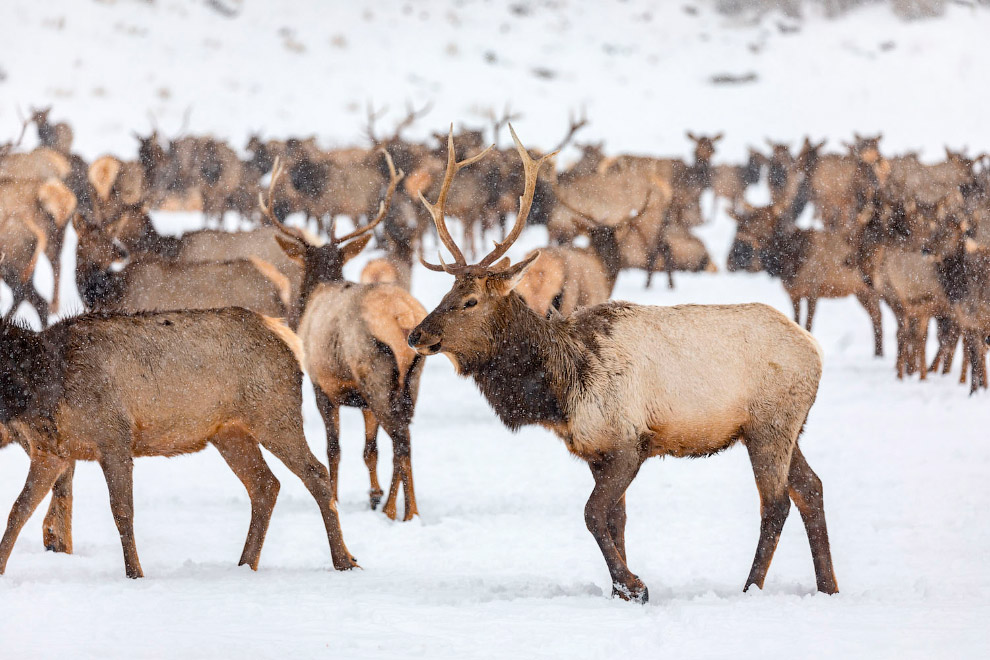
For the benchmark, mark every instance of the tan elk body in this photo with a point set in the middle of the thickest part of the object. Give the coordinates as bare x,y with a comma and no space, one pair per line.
619,383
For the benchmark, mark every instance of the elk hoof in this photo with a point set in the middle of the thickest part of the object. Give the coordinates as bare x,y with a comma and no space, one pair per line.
389,509
635,592
54,543
346,565
376,498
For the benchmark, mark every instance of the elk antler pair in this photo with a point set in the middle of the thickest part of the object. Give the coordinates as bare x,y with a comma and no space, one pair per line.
530,168
277,169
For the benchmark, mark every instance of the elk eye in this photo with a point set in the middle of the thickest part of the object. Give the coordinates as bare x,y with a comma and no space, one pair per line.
470,303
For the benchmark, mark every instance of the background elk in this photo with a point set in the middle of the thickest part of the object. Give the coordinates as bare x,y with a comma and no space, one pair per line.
111,388
21,243
619,383
149,283
57,137
566,278
354,336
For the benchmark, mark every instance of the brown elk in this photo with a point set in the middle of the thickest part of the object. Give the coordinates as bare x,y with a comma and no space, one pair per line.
566,278
110,388
965,278
45,205
354,337
811,264
21,243
57,137
148,283
619,383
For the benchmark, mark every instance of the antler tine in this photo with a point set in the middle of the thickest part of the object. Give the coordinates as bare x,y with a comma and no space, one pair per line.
575,126
437,210
266,206
383,206
531,168
372,118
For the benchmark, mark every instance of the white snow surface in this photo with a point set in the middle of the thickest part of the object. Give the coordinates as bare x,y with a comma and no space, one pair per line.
499,564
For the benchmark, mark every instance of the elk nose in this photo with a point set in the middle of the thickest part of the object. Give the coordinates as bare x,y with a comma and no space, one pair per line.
414,337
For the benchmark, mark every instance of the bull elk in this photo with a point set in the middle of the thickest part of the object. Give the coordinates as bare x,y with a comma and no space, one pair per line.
109,388
354,336
619,383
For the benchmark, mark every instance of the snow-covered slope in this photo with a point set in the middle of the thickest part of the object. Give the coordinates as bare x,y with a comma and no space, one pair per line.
500,564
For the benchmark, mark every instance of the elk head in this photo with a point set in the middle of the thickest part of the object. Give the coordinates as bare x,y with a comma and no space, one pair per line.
603,233
755,228
482,294
704,147
324,263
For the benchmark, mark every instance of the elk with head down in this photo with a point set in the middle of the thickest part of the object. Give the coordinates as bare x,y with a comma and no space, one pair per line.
110,388
619,383
354,336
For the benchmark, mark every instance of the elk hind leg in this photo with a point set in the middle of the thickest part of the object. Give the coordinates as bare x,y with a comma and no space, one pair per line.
57,528
283,436
44,470
769,449
871,303
241,453
371,457
118,470
331,420
805,489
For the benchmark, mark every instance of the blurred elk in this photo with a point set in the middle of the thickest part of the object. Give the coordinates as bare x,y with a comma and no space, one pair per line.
57,137
566,278
354,337
111,388
620,383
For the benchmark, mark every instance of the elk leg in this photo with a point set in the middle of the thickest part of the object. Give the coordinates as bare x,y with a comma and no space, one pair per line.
244,458
921,362
371,457
805,489
871,303
44,470
54,252
401,468
796,306
613,474
331,420
57,528
285,439
119,474
771,481
617,525
812,302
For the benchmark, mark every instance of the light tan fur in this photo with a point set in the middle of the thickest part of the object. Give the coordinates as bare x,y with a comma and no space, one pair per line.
379,271
390,313
277,278
57,200
291,339
37,165
102,175
575,275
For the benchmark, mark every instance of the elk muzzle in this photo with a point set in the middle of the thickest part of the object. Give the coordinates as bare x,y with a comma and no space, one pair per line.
740,256
423,341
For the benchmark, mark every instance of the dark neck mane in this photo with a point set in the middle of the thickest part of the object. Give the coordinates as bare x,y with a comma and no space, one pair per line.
530,368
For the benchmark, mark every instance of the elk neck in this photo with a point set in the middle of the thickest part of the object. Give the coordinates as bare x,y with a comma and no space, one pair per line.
529,367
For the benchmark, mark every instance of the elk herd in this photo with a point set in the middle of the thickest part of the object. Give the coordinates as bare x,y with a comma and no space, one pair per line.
204,338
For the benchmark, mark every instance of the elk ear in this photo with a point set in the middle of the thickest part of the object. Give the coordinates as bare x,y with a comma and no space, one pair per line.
692,136
294,249
718,137
506,280
353,248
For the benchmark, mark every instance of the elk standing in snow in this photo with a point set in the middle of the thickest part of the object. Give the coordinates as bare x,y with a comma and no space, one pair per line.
619,383
354,336
110,388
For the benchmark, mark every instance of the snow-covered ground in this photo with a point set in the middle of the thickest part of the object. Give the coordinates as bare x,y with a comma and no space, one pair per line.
500,564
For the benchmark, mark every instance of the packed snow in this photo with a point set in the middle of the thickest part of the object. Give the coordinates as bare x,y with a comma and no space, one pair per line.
499,563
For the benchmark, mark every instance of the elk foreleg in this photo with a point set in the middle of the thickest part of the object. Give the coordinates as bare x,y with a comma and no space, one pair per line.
118,470
331,420
371,457
613,473
45,469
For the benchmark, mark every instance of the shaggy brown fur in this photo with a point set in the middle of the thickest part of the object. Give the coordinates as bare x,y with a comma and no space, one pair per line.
111,388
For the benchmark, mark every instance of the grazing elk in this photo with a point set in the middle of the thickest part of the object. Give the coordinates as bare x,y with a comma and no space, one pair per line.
619,383
354,337
110,388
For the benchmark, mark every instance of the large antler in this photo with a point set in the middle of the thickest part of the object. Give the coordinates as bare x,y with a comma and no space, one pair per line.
266,206
383,206
590,222
531,168
437,210
576,125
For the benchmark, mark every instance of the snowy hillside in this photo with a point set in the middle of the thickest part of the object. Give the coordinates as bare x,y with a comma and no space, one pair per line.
500,564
